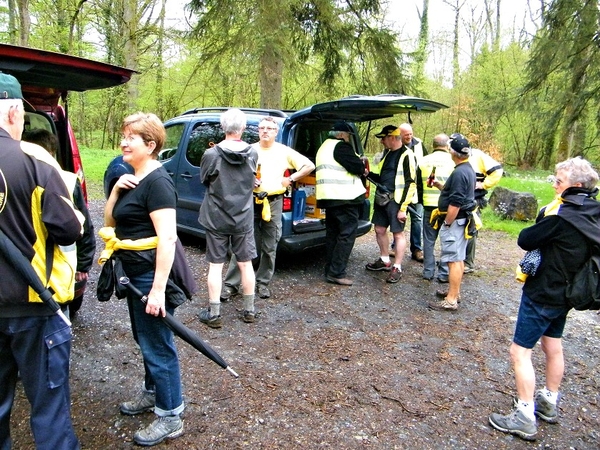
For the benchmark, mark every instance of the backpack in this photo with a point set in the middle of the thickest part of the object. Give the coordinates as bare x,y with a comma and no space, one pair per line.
584,291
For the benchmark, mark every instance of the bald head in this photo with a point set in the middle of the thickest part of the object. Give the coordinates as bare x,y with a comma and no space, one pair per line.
441,141
406,133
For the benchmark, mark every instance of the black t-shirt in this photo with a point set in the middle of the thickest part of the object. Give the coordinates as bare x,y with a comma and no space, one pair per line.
387,177
133,207
459,189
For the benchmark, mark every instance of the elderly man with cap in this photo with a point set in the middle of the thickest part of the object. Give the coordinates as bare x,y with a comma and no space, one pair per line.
35,208
456,201
397,170
488,173
341,192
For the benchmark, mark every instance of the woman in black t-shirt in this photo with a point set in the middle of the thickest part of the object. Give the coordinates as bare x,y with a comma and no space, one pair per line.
142,206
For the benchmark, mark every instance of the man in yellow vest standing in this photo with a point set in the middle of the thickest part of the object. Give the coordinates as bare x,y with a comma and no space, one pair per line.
437,165
341,192
397,171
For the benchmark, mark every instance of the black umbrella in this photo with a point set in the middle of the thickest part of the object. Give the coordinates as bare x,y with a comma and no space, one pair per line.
182,331
23,266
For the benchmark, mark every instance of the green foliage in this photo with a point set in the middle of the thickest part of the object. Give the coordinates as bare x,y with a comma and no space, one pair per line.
95,161
564,78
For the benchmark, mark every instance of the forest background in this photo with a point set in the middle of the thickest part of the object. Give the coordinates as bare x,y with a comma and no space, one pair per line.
522,86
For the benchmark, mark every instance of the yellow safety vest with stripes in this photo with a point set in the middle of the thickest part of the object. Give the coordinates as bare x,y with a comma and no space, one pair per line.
334,182
400,182
442,161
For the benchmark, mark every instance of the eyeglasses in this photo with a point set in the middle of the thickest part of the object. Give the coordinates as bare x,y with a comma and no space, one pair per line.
267,128
556,181
129,139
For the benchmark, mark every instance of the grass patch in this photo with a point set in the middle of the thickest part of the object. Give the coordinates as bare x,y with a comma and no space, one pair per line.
534,182
95,162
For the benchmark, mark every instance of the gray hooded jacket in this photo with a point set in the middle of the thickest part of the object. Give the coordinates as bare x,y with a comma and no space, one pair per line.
228,170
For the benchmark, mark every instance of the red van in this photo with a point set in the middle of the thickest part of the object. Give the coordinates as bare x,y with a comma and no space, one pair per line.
46,79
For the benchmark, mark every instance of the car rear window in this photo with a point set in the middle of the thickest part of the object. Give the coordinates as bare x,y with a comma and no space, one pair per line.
206,135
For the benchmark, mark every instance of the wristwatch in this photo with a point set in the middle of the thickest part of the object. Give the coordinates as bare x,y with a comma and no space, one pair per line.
291,180
447,224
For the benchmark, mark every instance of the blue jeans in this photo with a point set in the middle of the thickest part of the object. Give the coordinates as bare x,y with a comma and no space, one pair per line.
156,341
38,348
416,228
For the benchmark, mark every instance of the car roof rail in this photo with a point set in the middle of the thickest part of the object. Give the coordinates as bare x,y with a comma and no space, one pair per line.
266,112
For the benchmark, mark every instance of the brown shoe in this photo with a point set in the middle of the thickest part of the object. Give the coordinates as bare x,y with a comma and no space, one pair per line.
443,294
340,281
394,275
443,305
417,255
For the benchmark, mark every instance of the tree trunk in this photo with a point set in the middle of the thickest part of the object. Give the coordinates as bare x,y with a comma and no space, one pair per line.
24,22
271,78
421,57
455,47
130,48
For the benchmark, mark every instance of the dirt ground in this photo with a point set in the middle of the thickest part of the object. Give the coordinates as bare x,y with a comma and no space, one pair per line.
325,366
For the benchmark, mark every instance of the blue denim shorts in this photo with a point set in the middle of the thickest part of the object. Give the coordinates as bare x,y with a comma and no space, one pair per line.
536,320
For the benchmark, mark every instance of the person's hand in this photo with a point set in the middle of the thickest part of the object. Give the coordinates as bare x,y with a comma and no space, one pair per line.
401,216
438,185
478,185
257,183
156,304
81,276
127,181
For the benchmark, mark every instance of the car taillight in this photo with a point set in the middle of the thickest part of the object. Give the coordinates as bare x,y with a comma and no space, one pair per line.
287,195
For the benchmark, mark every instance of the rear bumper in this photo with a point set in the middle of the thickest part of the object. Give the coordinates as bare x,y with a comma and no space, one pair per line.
295,243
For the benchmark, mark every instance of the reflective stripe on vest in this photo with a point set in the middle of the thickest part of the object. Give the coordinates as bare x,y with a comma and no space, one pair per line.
334,182
442,161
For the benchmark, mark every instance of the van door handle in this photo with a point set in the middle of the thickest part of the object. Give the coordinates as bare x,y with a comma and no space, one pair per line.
186,175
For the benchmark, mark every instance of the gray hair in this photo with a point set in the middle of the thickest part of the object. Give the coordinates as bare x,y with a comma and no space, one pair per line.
6,104
441,140
233,121
460,156
579,170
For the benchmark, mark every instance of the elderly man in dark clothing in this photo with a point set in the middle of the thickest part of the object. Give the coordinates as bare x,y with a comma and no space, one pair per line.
456,202
341,192
565,233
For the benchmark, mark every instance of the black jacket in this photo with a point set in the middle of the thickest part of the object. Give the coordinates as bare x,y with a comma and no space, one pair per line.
565,236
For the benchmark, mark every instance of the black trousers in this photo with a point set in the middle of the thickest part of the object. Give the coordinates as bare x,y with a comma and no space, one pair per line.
341,223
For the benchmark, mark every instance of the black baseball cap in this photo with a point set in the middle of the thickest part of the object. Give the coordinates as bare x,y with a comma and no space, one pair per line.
388,130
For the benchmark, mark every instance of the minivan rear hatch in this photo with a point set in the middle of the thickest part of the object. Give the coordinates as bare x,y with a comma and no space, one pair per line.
365,108
46,76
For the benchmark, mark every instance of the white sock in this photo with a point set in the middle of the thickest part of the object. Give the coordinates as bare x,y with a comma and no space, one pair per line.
215,309
398,266
528,409
552,397
385,259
